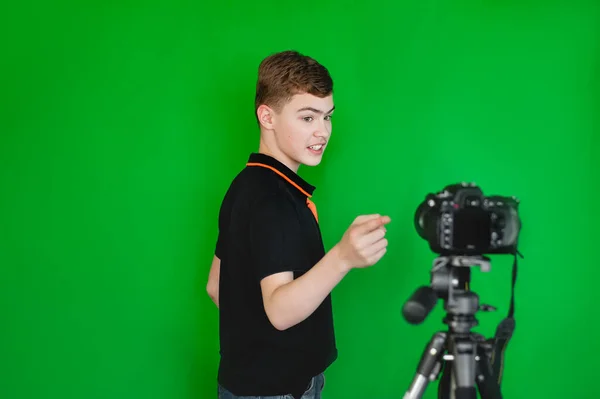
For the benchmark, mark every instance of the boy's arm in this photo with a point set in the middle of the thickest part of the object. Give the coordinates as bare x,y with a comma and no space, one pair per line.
287,301
212,287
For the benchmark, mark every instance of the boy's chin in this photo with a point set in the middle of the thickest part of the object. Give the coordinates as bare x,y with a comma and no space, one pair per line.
311,160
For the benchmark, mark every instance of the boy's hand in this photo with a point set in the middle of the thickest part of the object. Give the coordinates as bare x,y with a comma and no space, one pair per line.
364,243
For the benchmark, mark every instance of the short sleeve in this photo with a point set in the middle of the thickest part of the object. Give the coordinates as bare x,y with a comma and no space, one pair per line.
219,247
276,243
222,223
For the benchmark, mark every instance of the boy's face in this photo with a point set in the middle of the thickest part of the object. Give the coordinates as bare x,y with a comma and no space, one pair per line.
301,130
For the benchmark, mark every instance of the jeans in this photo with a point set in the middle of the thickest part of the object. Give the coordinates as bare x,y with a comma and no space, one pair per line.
313,392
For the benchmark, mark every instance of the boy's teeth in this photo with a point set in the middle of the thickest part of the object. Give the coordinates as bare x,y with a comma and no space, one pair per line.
316,147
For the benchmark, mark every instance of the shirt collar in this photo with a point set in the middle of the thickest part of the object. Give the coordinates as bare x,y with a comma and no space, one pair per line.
270,162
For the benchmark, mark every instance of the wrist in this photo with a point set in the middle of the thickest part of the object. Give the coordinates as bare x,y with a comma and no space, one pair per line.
341,264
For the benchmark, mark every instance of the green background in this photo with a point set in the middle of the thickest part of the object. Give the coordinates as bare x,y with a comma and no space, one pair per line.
122,125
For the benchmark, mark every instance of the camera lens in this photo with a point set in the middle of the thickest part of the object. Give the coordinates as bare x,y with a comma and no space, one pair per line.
420,219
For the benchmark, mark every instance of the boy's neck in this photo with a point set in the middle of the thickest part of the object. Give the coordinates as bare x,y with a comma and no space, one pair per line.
263,148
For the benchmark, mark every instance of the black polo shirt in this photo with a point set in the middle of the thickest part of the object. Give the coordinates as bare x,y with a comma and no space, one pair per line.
266,226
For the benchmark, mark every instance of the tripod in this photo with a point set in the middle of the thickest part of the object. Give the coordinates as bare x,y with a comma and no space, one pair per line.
466,357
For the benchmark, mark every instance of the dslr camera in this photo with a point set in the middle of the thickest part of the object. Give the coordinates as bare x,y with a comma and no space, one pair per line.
462,225
461,220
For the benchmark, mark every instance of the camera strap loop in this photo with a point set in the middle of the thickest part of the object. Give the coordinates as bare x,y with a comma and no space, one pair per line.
505,329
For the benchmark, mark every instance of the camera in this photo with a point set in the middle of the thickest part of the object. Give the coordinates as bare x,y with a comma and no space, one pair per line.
461,220
462,225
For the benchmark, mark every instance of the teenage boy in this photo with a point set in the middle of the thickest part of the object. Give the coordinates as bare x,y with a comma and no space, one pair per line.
271,277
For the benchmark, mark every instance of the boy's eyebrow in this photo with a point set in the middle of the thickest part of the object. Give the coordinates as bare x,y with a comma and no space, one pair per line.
318,111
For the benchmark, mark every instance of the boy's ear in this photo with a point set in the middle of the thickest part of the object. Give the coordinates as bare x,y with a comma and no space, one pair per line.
265,116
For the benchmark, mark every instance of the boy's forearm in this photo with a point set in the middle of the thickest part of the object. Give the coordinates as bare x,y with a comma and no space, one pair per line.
295,301
213,293
212,286
215,299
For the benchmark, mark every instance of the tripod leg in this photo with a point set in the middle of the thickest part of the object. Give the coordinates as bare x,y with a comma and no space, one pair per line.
430,361
487,384
463,369
445,387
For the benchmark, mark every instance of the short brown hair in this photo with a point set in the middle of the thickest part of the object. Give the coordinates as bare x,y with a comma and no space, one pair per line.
287,73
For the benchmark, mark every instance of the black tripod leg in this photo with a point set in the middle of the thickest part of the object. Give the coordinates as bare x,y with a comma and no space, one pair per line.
487,384
445,385
463,369
430,360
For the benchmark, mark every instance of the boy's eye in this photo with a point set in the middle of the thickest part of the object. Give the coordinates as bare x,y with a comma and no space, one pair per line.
310,118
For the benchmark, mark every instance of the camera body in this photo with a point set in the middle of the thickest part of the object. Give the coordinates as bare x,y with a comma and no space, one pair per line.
461,220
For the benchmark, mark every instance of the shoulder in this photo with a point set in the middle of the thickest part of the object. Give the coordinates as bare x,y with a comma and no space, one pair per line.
260,187
254,182
262,180
274,206
259,192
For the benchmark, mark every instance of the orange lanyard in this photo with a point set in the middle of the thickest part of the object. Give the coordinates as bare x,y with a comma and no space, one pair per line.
311,205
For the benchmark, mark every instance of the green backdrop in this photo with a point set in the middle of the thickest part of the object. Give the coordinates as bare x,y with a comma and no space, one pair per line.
122,126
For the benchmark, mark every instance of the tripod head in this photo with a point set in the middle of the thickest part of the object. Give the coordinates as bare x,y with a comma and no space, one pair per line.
450,281
469,352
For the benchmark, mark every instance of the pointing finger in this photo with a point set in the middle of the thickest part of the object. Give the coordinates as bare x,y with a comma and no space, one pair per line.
364,218
374,224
